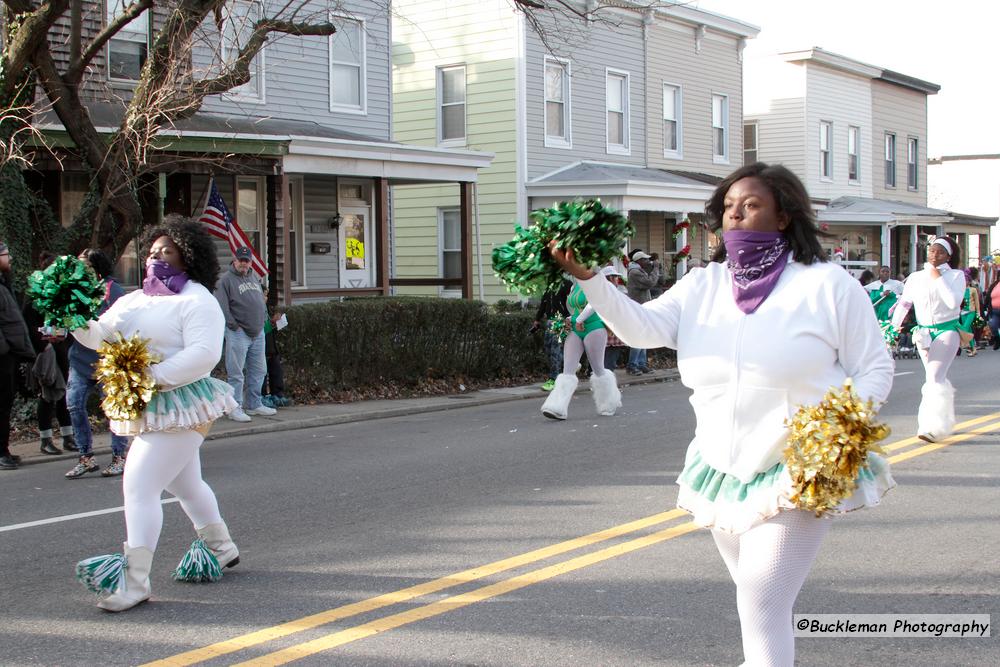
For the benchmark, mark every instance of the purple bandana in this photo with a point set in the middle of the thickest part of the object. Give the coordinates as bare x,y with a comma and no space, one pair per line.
755,260
163,279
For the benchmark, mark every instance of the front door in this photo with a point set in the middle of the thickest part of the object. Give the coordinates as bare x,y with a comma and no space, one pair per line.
357,248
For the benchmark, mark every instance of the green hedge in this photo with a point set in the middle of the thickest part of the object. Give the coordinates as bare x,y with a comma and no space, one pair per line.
356,343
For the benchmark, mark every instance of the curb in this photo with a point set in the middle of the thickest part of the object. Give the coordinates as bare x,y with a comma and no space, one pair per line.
496,396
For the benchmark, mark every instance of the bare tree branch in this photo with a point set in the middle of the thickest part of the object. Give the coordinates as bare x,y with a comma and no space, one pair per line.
76,68
25,39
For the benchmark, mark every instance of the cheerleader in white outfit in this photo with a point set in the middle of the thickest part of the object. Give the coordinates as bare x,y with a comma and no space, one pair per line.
935,295
176,311
768,326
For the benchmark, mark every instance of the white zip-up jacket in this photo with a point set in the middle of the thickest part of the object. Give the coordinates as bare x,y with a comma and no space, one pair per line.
749,373
185,330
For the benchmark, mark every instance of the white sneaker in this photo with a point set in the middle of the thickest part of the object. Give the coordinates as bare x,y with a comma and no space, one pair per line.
238,415
261,410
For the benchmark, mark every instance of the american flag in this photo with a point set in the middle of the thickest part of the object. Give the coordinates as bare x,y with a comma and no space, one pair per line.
219,222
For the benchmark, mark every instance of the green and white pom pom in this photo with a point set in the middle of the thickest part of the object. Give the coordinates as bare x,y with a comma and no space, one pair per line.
102,574
594,233
198,565
67,293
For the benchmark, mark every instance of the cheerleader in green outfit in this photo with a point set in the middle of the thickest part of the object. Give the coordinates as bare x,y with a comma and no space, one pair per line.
587,332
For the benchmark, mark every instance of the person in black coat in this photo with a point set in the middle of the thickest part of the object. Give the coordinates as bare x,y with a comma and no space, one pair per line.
15,347
553,303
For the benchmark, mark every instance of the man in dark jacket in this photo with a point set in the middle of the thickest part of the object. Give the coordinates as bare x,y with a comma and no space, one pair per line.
553,303
642,276
15,347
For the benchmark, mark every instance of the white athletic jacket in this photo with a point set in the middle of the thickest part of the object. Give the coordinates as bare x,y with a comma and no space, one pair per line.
751,372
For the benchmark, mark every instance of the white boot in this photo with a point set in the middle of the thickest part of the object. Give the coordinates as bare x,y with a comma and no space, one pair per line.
607,396
216,538
136,588
936,414
557,404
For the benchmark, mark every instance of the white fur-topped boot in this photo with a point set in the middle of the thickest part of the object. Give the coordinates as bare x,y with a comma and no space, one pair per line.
607,396
936,414
557,404
121,579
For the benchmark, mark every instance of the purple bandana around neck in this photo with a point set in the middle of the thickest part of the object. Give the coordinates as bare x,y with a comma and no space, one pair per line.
163,279
755,260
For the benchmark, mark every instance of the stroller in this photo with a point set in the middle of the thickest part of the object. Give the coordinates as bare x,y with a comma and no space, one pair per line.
903,347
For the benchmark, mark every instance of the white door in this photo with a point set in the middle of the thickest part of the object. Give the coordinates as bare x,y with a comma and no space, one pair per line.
356,247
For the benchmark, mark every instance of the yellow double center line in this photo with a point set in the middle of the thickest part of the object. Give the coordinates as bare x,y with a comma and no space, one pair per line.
982,425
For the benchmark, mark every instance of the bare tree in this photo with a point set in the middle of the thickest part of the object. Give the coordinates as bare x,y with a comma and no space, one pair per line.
170,88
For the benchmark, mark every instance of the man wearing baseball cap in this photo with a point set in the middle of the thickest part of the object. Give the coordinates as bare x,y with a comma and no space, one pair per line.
642,275
242,299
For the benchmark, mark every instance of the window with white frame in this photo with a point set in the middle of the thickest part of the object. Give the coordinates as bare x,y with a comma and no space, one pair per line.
451,104
750,134
890,160
250,211
557,104
348,91
720,128
238,23
825,150
450,242
853,153
672,108
128,49
617,111
296,232
911,163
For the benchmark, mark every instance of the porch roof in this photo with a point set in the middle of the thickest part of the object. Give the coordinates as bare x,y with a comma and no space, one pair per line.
878,211
300,147
627,187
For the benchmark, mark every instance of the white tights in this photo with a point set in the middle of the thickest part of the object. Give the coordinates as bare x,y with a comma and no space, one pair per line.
769,564
939,356
165,461
594,343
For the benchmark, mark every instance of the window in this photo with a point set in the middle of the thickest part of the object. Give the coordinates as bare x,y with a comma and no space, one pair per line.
750,143
853,153
240,18
250,211
672,120
720,128
557,104
616,97
890,160
347,66
451,103
127,50
911,163
825,150
296,232
450,243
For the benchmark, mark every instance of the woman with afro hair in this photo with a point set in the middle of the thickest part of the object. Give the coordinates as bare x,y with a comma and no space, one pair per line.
176,311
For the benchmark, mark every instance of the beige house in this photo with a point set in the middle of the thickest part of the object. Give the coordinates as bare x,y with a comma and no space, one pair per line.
857,136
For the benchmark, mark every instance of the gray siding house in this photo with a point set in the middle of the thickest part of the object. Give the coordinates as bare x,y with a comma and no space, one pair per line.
302,154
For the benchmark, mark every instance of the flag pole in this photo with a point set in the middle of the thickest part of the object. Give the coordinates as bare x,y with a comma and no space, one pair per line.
204,194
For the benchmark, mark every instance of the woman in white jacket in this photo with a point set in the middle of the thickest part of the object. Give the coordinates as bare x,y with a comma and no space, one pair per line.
176,311
770,329
935,295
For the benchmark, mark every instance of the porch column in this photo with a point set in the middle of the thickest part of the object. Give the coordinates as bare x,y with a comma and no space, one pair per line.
382,234
915,263
682,240
886,241
279,214
465,214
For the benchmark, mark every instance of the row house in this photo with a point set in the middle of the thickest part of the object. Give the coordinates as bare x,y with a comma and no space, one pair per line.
303,154
857,136
641,107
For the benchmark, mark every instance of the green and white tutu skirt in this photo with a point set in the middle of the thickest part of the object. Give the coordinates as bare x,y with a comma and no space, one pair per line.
193,406
722,502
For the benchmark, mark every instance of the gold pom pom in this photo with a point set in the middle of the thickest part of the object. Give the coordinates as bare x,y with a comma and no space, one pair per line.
828,445
123,371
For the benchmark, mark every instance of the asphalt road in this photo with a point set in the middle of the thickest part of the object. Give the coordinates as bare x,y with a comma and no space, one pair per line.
460,503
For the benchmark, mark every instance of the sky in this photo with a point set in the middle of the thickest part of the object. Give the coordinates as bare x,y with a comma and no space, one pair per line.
952,43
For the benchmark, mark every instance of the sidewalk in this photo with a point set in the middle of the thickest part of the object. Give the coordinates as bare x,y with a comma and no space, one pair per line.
311,416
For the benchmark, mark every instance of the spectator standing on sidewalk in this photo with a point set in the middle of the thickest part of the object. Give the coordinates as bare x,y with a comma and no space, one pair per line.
273,390
49,375
241,297
15,347
82,381
642,276
553,304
